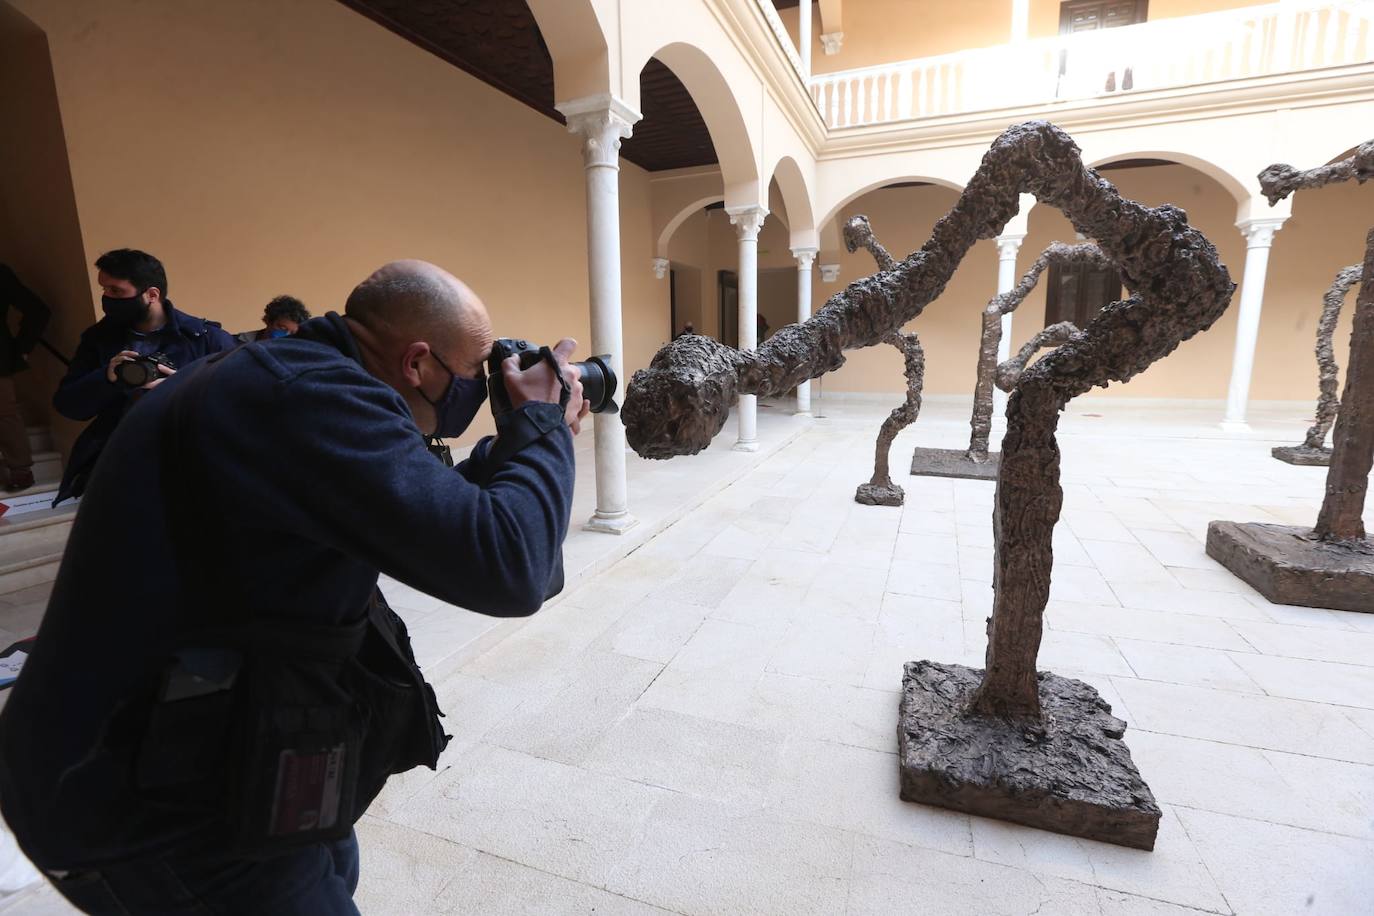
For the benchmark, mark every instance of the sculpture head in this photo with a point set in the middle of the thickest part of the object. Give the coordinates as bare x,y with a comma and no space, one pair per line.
678,404
858,232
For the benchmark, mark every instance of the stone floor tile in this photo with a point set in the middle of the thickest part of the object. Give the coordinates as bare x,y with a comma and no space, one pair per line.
572,717
804,707
926,548
494,886
1212,579
828,649
1351,648
1247,719
1178,549
1293,789
1071,654
843,590
1298,616
1174,872
1096,525
703,583
654,631
1267,868
557,818
926,580
975,563
405,871
1068,549
1083,584
720,761
1118,561
1153,626
1301,679
1189,665
760,602
1117,903
525,662
890,877
697,857
742,542
911,629
926,521
1161,596
975,535
857,789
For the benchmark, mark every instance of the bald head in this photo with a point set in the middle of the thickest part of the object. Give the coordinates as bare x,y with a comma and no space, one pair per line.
414,300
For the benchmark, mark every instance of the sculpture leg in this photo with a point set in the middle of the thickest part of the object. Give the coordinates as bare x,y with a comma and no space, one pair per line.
880,490
1313,450
981,421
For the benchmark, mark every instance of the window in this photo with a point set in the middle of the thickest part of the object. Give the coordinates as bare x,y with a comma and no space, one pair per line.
1089,15
1078,292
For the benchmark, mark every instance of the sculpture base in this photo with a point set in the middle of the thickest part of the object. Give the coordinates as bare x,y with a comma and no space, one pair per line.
1288,565
877,494
1068,771
1304,455
953,462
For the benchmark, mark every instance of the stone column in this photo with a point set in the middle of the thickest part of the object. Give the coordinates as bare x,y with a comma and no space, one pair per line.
748,221
602,122
1008,244
1259,236
804,35
805,258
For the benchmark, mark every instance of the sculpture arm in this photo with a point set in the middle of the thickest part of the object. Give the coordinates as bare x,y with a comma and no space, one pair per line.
1280,179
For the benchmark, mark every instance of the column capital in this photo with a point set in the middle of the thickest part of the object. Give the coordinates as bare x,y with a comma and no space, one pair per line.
805,257
1009,244
830,272
748,220
1259,232
660,266
831,42
602,121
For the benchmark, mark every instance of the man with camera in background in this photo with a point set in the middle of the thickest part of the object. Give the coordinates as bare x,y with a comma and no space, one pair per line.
200,741
141,340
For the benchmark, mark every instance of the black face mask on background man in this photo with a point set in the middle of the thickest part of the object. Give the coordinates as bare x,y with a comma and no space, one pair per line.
125,312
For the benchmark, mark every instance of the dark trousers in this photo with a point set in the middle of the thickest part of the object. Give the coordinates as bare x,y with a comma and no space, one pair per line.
316,880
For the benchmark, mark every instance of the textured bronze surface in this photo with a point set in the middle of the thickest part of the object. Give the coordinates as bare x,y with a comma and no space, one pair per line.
880,490
1009,372
1290,565
953,462
1086,254
1181,288
1313,450
1068,771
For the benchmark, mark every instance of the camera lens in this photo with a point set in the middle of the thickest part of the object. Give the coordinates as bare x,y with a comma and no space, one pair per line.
135,373
599,383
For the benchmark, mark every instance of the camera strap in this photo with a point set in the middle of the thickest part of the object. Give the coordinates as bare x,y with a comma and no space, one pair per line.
565,390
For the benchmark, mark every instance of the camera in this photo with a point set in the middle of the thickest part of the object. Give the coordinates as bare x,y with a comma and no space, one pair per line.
598,378
135,373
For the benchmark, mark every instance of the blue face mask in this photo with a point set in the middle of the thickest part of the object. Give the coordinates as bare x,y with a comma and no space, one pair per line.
458,405
277,333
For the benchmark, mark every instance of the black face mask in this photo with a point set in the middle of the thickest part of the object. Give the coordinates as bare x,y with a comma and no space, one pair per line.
125,312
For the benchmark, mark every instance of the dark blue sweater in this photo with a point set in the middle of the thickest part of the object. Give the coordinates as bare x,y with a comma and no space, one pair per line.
315,479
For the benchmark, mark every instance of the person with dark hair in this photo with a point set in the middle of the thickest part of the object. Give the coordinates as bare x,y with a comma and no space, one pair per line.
14,348
283,317
140,326
186,738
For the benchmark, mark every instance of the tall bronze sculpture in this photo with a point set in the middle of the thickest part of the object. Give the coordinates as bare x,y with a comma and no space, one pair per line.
1007,741
880,490
1313,450
1331,564
975,462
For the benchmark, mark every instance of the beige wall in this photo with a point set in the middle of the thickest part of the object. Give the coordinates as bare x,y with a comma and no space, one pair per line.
1325,233
883,31
40,234
262,148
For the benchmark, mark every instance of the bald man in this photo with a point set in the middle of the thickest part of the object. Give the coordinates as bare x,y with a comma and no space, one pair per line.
188,738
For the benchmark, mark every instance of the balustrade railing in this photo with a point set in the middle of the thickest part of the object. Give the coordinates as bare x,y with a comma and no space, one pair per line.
1206,48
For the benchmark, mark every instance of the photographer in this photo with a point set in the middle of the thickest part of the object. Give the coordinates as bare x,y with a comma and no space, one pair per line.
282,317
220,734
141,328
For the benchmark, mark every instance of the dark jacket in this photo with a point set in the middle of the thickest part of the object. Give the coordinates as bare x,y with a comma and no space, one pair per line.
314,478
34,320
87,393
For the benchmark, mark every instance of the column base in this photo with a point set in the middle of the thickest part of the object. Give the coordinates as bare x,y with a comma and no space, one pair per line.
612,524
1234,426
742,446
803,413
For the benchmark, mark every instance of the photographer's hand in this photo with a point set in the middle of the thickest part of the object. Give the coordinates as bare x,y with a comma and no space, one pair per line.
166,371
538,383
123,356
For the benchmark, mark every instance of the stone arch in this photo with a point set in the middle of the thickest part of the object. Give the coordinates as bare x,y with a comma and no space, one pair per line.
833,213
1239,188
576,38
721,111
801,218
670,228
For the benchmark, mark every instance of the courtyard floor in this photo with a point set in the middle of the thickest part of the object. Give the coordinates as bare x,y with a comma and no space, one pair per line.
706,721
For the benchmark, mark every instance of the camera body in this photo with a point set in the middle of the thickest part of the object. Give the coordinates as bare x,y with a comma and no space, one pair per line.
599,380
135,373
